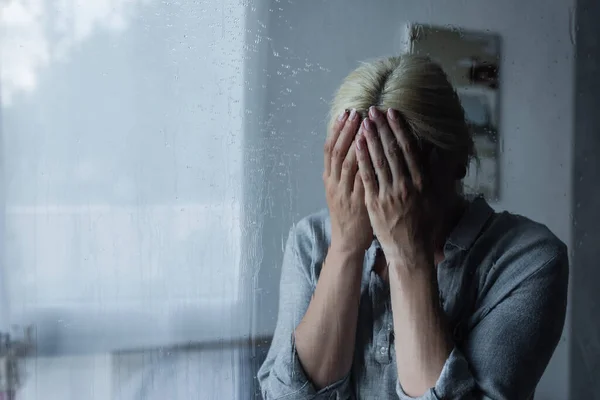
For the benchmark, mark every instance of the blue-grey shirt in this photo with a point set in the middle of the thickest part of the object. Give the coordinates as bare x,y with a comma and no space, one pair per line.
503,287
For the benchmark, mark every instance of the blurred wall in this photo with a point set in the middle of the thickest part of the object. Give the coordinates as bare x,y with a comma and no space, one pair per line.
585,298
313,47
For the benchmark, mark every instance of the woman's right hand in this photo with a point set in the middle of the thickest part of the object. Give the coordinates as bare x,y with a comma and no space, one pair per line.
351,230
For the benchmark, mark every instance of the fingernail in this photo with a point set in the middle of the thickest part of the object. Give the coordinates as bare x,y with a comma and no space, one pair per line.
367,124
393,114
343,115
373,112
353,114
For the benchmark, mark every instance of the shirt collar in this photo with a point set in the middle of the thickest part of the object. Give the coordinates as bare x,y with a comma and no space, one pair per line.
471,224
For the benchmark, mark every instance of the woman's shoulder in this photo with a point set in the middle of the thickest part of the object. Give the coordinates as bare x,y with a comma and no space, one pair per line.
310,238
520,248
312,233
517,233
505,238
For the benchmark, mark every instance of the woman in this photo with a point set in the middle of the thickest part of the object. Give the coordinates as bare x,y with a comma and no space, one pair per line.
406,288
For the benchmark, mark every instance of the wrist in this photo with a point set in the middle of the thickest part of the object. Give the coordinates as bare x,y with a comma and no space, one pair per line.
418,265
347,250
415,257
346,255
415,285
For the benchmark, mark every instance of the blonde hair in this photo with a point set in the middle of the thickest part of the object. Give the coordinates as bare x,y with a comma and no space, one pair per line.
419,89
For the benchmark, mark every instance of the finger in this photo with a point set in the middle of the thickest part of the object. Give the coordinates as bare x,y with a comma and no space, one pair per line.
359,188
349,170
331,139
344,140
390,145
365,167
378,158
407,144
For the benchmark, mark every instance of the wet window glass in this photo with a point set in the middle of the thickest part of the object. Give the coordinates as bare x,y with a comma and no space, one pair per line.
168,209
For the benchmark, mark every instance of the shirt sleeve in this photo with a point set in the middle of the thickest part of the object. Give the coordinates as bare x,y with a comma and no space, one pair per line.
506,353
281,376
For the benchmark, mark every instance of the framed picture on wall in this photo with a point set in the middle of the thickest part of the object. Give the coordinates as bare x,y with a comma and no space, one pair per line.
471,60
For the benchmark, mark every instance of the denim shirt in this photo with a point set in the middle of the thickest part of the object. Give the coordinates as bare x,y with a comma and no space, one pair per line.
502,286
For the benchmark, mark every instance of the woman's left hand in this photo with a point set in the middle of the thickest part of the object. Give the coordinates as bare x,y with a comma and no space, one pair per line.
395,189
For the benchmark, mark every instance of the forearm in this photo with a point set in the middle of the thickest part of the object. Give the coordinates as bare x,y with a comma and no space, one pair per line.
422,342
325,337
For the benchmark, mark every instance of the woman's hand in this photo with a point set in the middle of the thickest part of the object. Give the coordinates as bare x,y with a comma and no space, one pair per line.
351,231
395,189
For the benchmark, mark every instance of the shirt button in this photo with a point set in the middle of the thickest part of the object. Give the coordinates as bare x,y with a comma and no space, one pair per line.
383,350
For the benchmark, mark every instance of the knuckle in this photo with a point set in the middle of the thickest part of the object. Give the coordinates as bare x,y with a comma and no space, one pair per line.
336,153
405,197
343,127
380,163
327,148
402,187
370,202
392,152
418,182
337,125
346,166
